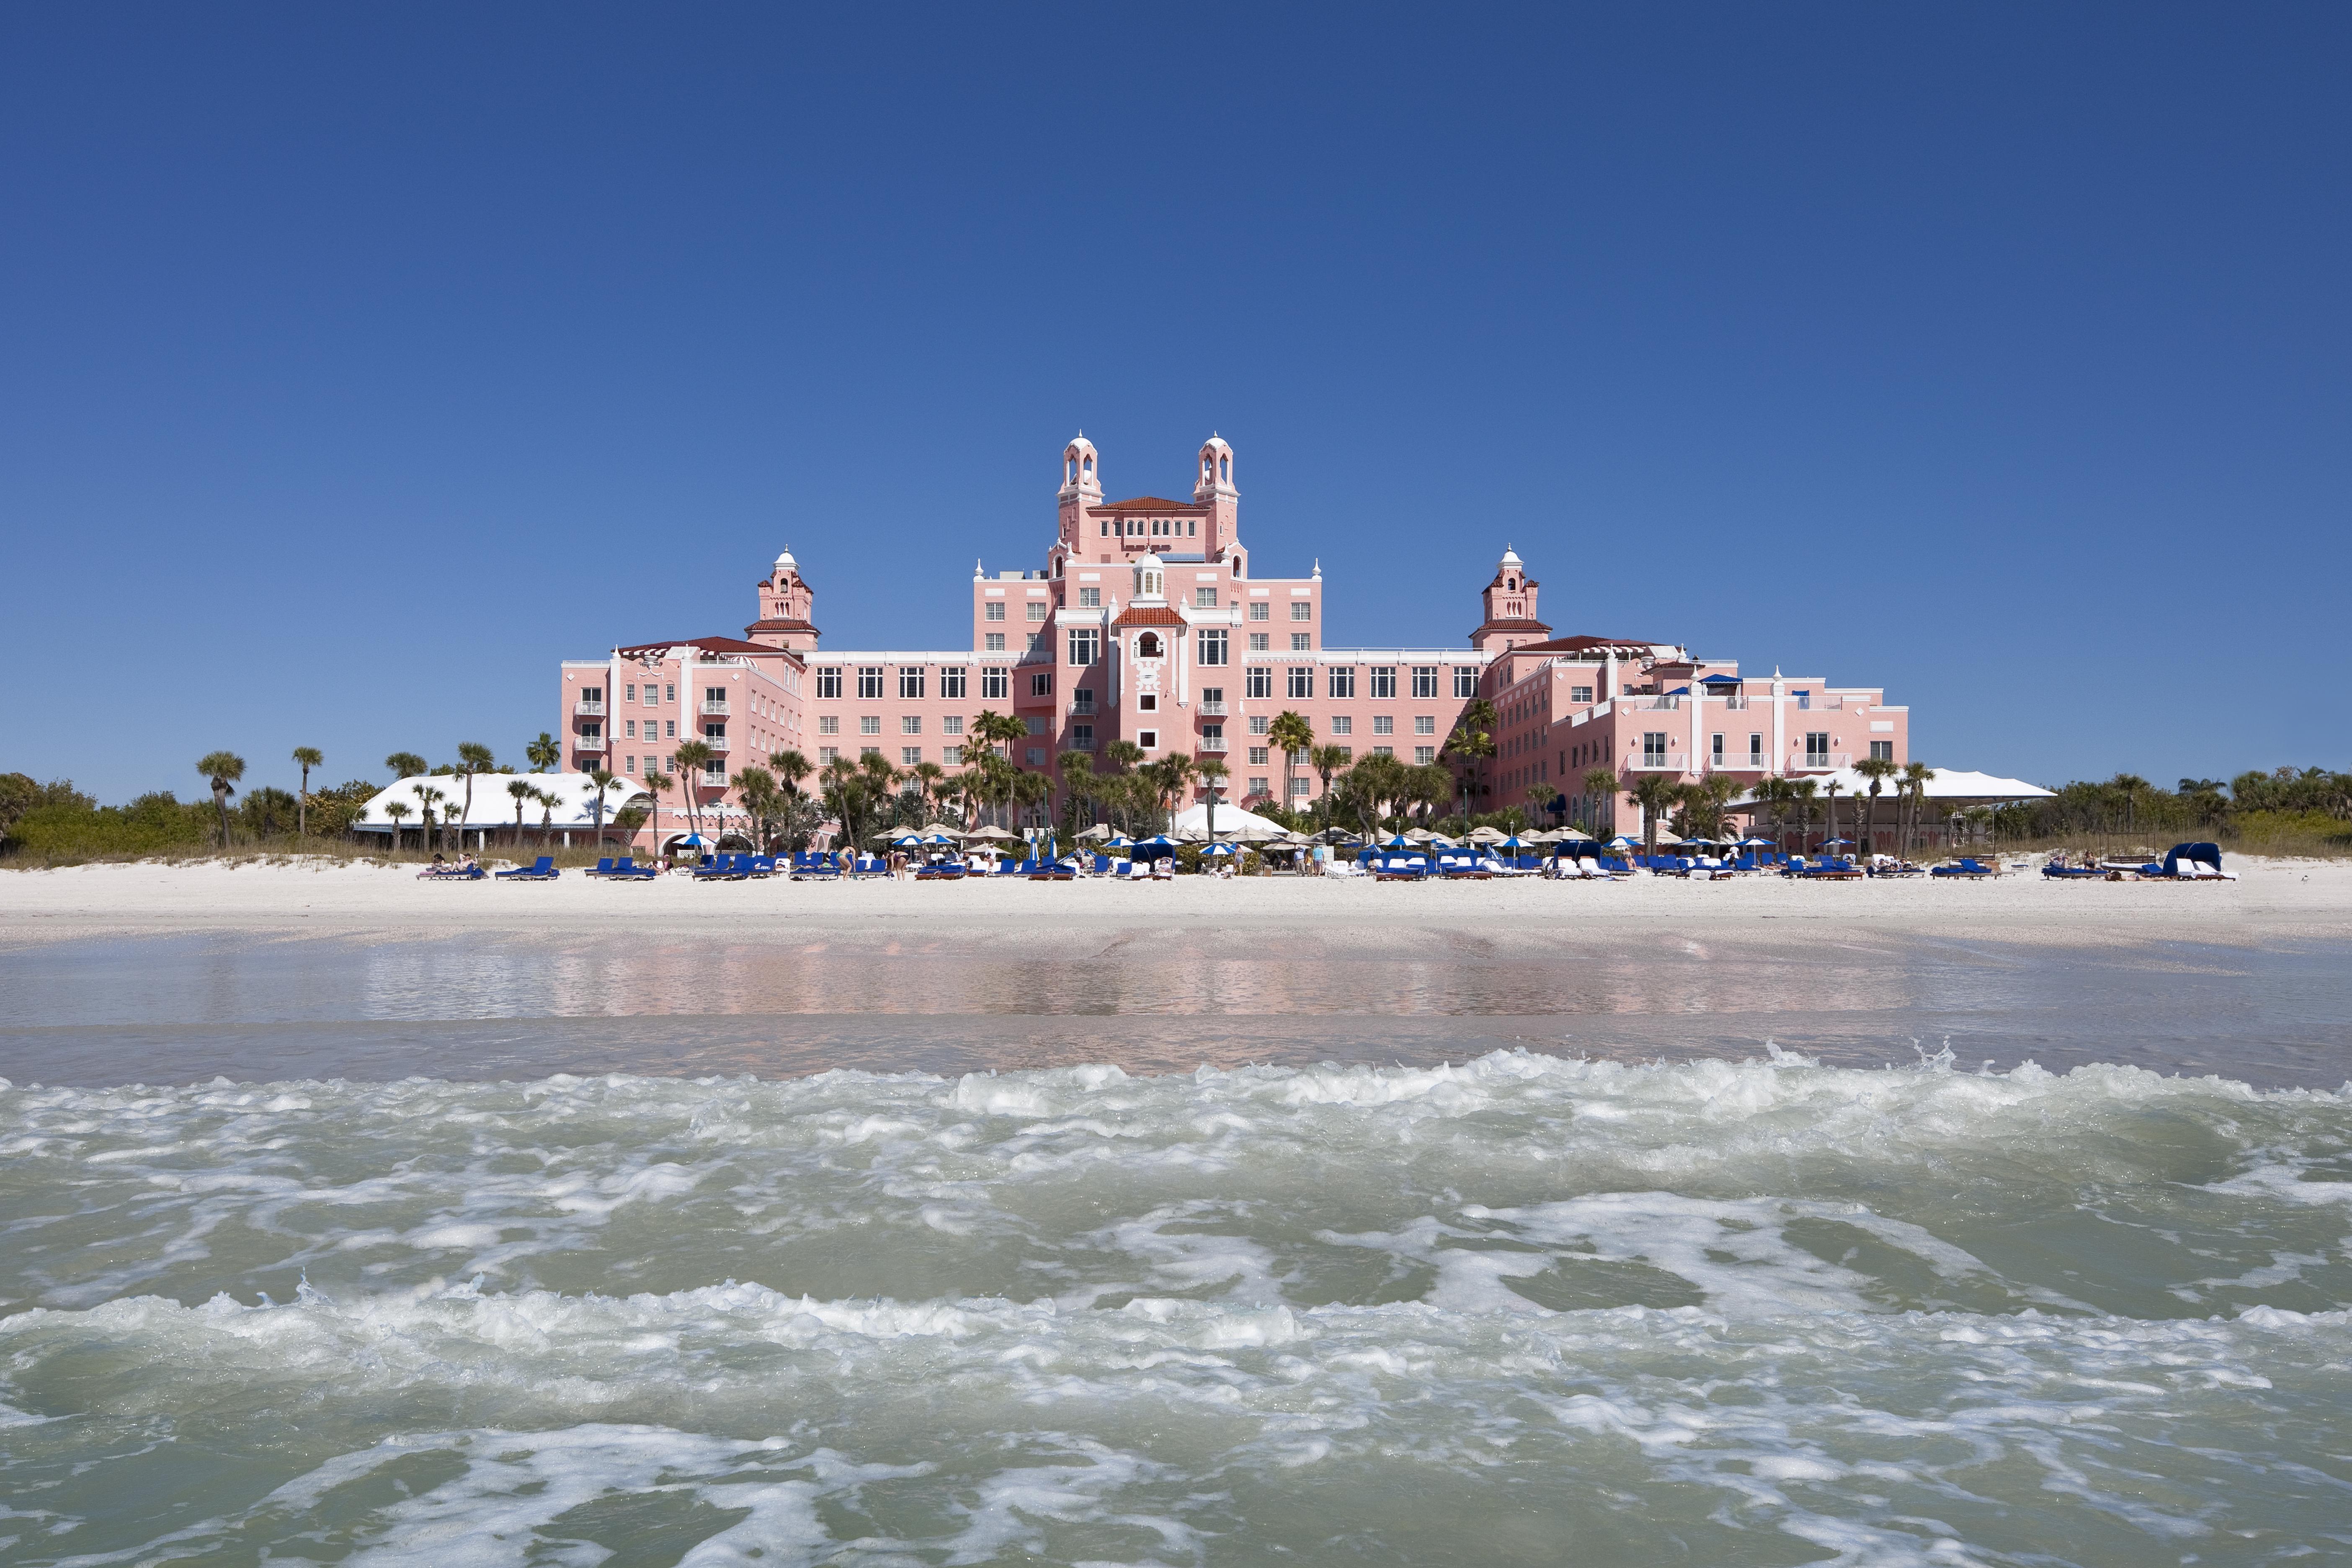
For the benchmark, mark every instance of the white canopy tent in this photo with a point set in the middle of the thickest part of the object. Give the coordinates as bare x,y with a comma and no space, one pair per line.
1951,789
1232,822
493,808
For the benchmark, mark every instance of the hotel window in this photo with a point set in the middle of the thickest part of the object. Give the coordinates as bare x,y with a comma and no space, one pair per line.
909,755
1257,784
1260,610
1082,737
669,764
715,733
1882,750
1580,694
910,724
632,690
869,680
1082,701
992,642
1466,680
1091,598
1804,699
1212,737
828,681
1424,755
1343,725
1032,644
1213,648
1260,755
951,725
828,724
1300,785
1258,724
1385,750
1302,680
1383,681
1085,645
1755,751
1342,683
1302,642
669,694
1041,684
952,683
1036,610
1105,528
1653,749
1204,598
669,729
1425,723
1302,609
1193,528
952,755
1261,680
1817,749
628,765
1148,702
1714,749
869,725
994,611
1260,642
1383,724
870,750
1148,738
1347,754
994,682
826,754
1424,680
630,725
910,681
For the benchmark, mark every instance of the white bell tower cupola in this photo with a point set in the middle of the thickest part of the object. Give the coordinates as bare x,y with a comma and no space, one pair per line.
1081,488
1213,487
1151,581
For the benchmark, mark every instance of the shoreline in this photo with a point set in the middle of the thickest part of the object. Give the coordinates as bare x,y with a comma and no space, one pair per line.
2275,901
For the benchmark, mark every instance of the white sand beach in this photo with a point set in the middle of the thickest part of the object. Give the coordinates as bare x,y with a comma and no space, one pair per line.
2273,900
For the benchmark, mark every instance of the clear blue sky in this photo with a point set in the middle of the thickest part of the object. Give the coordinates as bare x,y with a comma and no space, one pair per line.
357,363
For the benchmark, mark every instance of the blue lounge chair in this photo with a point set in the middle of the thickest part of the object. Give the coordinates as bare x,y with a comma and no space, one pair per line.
604,868
541,870
723,868
1967,867
627,869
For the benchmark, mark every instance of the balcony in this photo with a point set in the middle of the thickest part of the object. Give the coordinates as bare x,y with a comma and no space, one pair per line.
587,742
1672,762
1212,743
715,743
589,707
1212,709
1818,761
715,707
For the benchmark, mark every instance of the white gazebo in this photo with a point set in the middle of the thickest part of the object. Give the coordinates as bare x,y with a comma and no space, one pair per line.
1232,822
574,810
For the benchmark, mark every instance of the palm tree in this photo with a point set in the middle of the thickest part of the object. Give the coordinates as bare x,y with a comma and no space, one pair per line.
756,786
790,768
1916,777
691,756
1433,785
1599,784
223,769
545,754
1213,771
1077,771
1471,741
1774,791
406,765
1801,794
1294,737
603,779
1878,769
427,797
1656,795
309,757
395,810
519,792
473,757
1327,761
1830,787
658,785
547,799
929,777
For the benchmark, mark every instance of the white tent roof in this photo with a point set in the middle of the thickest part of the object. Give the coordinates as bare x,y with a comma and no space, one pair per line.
493,807
1952,785
1232,822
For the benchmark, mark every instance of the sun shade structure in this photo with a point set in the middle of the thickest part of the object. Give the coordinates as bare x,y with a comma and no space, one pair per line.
575,802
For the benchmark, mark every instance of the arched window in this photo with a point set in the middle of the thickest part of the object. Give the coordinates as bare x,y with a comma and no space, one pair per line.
1148,646
1226,469
1090,467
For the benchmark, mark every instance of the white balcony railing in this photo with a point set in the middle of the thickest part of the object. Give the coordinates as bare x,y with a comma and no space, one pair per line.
1672,762
1212,709
715,706
1820,762
587,742
589,707
715,743
1212,742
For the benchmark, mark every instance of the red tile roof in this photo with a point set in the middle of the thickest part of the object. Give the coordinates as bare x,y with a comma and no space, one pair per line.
710,643
1149,503
780,624
1581,644
1148,615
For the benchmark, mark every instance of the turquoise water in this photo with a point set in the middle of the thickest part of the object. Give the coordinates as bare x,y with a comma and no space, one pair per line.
1523,1308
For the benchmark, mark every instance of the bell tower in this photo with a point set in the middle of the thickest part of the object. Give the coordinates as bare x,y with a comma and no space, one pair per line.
1509,602
1213,487
786,601
1081,488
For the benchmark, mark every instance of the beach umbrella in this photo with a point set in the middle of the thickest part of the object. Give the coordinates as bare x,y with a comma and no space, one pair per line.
907,841
1826,843
991,832
1221,849
1622,842
1511,843
1484,836
1571,835
1418,835
1100,830
1751,841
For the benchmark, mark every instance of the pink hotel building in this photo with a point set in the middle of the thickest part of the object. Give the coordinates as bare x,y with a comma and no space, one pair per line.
1147,624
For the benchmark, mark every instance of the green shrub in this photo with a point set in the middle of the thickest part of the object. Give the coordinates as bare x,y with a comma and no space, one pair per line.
153,823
